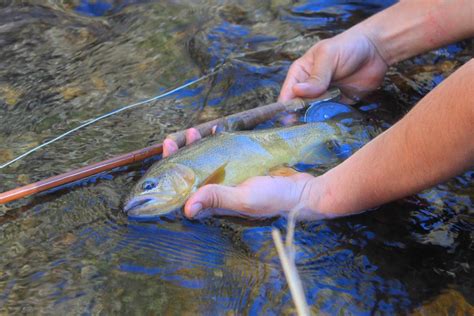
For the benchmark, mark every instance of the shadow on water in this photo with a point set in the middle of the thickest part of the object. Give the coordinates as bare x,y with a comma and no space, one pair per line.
74,251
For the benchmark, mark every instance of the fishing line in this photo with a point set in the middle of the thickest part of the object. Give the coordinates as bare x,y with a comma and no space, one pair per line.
92,121
216,69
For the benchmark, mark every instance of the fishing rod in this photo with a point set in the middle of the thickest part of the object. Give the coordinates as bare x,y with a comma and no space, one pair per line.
242,120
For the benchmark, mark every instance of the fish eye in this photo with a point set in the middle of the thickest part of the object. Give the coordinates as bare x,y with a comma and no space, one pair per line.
149,185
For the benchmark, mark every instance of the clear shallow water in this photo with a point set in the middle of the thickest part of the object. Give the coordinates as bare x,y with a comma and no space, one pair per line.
73,250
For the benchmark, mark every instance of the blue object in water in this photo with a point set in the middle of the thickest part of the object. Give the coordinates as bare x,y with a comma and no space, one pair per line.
346,116
322,111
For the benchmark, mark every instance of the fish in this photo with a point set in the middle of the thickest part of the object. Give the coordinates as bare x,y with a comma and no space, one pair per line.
228,158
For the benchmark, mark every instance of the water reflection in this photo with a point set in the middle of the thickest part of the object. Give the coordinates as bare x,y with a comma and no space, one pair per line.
73,251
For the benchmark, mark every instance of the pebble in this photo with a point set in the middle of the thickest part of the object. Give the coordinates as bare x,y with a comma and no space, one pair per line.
88,272
98,82
5,154
69,239
23,179
218,273
9,95
70,93
450,302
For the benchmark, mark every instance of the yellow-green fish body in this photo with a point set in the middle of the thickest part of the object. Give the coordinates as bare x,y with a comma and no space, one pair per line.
229,159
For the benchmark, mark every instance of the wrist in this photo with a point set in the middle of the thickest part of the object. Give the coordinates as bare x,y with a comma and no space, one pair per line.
375,39
323,201
319,198
313,200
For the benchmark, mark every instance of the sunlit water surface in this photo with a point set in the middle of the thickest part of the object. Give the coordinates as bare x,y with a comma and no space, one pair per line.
74,251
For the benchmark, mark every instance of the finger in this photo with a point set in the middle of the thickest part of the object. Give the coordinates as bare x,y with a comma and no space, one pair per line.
169,147
192,135
215,196
299,72
217,211
320,76
286,93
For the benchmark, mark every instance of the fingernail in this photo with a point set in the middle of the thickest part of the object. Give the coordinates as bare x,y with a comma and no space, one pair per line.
304,85
308,89
195,208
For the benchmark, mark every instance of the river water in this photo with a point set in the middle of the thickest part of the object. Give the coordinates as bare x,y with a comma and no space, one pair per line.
74,251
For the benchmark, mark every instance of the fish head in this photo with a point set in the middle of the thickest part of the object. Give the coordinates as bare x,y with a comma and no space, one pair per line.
161,190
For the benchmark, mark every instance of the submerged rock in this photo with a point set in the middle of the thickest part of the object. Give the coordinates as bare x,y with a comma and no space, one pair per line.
451,302
5,155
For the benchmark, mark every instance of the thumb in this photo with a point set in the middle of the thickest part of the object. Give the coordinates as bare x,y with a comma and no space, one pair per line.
320,77
212,196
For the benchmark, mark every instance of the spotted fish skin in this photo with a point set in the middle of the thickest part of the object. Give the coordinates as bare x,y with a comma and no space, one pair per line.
226,158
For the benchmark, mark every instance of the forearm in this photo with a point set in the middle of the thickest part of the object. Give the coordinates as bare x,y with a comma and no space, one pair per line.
413,27
432,143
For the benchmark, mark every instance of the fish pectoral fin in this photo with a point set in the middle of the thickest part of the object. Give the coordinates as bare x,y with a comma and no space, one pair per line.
281,171
216,177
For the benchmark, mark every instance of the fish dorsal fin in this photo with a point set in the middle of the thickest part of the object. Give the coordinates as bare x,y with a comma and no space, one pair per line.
217,176
281,171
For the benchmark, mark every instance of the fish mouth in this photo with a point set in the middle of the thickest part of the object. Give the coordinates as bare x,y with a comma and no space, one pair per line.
146,206
137,203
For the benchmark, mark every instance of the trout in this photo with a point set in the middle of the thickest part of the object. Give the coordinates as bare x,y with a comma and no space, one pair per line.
227,158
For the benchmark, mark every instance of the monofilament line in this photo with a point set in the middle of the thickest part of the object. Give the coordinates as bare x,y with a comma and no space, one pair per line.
127,107
92,121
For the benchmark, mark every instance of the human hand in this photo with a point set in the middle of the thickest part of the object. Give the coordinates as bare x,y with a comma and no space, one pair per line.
170,146
257,197
349,61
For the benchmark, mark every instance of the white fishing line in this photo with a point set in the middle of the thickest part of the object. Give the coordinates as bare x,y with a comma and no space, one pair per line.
92,121
127,107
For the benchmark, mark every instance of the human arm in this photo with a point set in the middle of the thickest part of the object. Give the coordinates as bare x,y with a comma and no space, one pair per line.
353,62
421,25
357,59
433,142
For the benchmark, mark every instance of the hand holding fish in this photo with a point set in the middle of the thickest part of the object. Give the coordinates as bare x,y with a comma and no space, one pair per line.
217,169
244,199
263,196
431,144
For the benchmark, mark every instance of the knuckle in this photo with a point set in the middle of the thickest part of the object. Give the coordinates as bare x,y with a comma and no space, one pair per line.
322,48
214,196
246,199
316,77
295,66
